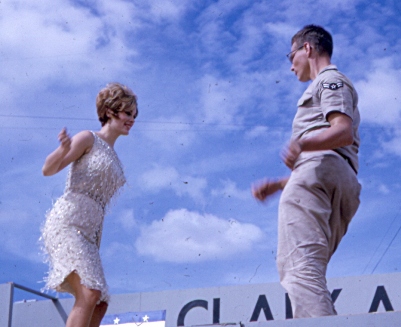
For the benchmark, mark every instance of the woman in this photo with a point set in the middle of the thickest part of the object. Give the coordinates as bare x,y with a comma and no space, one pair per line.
73,228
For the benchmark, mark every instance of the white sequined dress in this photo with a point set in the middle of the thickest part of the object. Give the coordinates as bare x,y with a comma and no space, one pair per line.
72,232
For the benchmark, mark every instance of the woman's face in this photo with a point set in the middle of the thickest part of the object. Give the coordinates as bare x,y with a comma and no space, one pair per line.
124,120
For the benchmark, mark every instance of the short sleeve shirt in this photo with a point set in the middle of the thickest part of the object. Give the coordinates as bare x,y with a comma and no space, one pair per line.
330,91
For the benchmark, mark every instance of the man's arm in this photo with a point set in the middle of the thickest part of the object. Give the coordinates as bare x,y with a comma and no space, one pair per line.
338,135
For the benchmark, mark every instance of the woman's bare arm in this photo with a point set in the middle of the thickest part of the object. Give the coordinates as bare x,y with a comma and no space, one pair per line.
70,149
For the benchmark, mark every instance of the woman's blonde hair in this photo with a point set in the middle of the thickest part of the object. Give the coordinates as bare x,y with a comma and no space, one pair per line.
116,97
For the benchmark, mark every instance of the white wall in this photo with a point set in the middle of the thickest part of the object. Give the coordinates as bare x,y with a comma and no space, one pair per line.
357,295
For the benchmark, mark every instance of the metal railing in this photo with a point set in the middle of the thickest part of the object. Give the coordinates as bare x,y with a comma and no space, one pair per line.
55,301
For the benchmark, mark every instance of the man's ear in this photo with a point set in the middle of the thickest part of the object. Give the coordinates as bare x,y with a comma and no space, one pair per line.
308,49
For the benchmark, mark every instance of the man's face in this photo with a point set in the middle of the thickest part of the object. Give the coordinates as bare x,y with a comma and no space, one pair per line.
299,62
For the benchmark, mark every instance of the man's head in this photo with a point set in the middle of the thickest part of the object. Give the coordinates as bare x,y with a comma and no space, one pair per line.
317,37
311,50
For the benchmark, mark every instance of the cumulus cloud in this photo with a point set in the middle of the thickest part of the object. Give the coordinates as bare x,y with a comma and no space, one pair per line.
256,131
188,236
127,219
230,190
244,82
169,9
380,101
116,250
13,226
310,10
384,189
171,133
73,43
231,101
161,178
282,31
394,145
379,94
221,101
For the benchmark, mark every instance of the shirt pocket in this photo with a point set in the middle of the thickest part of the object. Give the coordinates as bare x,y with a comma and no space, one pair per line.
304,99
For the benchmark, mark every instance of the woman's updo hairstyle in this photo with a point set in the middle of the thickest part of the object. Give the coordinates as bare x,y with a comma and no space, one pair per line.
116,97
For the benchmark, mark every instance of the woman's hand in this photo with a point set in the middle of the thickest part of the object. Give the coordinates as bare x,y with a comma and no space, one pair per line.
65,141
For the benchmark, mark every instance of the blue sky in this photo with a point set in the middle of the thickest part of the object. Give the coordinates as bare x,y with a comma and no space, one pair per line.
216,102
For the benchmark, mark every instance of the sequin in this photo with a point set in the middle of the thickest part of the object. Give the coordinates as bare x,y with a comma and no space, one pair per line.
72,231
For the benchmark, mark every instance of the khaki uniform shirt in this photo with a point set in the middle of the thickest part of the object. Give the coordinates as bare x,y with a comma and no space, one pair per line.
331,91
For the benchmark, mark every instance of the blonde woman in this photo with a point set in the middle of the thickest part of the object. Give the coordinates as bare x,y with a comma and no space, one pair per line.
73,228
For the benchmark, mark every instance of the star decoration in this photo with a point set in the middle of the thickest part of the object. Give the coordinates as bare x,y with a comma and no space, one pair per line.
116,321
146,318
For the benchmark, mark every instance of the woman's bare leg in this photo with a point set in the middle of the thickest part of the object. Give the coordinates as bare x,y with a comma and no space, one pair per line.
98,314
85,302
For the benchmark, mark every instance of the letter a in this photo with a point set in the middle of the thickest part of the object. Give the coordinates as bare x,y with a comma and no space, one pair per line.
262,304
381,295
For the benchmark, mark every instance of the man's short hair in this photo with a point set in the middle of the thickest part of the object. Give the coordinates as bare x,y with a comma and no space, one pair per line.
318,38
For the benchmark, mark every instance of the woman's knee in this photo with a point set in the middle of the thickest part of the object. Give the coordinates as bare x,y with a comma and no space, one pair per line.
91,296
81,292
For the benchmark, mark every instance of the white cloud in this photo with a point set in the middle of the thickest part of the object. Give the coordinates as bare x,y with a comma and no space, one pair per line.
14,240
394,145
58,40
307,11
384,189
230,190
281,31
226,161
380,101
74,41
256,131
221,101
379,94
188,236
232,100
168,9
331,5
159,179
116,251
171,133
127,219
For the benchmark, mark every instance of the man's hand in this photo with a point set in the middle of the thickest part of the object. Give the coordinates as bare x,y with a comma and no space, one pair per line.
339,134
267,188
291,153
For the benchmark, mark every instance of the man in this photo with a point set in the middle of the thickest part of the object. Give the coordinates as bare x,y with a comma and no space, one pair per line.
321,195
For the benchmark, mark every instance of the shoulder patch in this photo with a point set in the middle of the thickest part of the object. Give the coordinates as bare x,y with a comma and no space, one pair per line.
333,86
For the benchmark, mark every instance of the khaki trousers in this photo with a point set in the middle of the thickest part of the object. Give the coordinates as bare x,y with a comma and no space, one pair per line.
316,206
